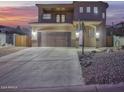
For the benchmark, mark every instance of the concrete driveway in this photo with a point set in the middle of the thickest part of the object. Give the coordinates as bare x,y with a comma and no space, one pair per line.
39,68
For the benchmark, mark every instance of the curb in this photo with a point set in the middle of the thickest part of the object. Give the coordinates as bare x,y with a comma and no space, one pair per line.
73,88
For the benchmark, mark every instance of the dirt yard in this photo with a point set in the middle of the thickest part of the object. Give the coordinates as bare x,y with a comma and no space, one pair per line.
103,68
8,50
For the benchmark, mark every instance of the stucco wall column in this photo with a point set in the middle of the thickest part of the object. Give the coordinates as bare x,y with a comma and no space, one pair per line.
73,39
102,38
34,37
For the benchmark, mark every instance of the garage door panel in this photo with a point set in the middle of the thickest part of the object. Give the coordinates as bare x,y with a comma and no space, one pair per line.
61,43
55,39
50,43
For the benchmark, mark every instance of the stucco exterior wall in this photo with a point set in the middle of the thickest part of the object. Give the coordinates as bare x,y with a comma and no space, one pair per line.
118,41
89,16
2,38
71,11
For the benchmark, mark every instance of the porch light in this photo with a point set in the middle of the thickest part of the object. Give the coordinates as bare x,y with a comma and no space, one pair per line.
77,34
34,33
97,35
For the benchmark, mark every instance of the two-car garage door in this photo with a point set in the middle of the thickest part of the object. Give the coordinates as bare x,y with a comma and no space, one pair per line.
54,39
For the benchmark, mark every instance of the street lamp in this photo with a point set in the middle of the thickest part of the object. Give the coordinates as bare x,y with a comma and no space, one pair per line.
83,30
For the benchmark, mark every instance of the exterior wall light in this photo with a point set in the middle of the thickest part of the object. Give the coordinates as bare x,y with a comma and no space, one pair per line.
77,34
97,39
34,35
97,35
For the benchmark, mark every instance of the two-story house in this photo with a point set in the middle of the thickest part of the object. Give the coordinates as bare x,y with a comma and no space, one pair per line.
59,24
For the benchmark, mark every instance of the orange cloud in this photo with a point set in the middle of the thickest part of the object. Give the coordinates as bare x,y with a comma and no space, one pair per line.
17,15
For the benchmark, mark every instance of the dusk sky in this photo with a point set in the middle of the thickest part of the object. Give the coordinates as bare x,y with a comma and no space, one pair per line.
21,13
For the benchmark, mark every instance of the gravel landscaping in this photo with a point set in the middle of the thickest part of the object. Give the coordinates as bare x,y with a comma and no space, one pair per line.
103,68
8,50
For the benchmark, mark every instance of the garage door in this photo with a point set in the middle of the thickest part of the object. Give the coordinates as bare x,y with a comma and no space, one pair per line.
54,39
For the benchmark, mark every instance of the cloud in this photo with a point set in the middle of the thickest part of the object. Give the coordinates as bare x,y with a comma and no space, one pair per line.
14,13
16,3
17,15
22,12
115,12
29,3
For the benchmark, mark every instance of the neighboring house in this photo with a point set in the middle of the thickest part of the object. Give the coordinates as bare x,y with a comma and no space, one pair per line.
23,38
116,33
6,35
9,35
60,24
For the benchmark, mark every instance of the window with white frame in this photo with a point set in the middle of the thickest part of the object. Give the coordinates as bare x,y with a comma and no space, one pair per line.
58,18
103,15
95,10
46,16
88,9
63,18
81,9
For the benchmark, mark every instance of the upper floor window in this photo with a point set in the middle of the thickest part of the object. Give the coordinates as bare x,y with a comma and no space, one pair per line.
46,16
88,9
95,10
63,18
60,18
103,15
57,18
81,9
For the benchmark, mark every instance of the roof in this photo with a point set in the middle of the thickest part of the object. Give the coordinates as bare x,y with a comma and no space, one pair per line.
7,29
117,29
71,4
12,30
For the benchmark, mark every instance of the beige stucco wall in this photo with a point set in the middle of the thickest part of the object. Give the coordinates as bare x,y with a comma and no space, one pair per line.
102,40
56,28
2,38
92,41
89,41
118,41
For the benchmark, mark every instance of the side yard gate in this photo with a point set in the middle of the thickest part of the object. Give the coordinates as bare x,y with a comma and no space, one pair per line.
22,40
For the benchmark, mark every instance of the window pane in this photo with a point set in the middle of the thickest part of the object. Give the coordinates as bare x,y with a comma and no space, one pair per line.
95,10
63,18
57,18
88,9
81,9
46,16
